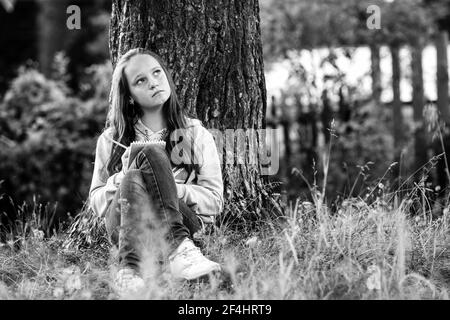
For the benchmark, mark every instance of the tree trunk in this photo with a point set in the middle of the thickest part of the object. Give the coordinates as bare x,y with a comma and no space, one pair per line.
396,101
326,115
375,72
442,76
52,32
215,53
287,144
418,104
443,107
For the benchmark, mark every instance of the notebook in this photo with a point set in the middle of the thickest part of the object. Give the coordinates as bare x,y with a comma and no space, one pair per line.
179,173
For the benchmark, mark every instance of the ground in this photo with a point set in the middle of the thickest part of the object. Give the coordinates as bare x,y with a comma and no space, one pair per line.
362,251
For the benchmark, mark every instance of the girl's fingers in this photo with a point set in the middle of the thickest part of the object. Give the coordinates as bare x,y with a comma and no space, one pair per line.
125,157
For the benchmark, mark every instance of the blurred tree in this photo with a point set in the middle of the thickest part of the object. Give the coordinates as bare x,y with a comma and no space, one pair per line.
443,105
375,72
214,49
443,101
420,145
327,115
294,25
83,47
397,118
403,22
52,31
344,111
41,32
441,9
407,22
17,38
8,5
441,14
301,24
90,44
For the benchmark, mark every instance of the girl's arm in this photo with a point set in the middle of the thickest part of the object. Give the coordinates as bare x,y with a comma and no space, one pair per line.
206,196
102,188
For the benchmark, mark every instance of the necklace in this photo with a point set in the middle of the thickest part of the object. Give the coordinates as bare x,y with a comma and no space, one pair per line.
160,135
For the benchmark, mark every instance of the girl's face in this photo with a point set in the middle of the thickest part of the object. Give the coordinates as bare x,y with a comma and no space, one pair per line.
147,82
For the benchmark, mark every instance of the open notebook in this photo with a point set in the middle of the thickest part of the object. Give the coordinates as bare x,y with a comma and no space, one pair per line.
179,174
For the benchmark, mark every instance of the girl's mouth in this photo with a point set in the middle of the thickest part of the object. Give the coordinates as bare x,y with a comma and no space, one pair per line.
157,92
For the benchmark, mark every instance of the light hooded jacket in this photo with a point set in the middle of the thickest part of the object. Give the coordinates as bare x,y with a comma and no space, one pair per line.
204,192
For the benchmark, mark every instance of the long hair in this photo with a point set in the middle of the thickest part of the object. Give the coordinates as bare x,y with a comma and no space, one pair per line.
122,115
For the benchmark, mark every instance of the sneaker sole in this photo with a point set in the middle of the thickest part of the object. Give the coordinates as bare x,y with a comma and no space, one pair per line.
200,275
203,278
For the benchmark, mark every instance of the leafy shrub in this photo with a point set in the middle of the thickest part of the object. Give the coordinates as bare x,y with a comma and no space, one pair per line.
362,152
28,94
49,138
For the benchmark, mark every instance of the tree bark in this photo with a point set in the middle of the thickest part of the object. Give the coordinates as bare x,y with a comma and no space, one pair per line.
287,144
418,104
375,72
52,32
443,107
396,101
214,51
442,76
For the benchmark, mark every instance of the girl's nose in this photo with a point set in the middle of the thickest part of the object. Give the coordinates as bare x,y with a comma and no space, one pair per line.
151,83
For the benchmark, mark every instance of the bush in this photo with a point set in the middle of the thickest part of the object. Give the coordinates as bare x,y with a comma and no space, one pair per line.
49,138
364,148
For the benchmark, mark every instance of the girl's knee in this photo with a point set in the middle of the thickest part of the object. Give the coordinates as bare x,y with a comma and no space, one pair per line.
132,175
154,150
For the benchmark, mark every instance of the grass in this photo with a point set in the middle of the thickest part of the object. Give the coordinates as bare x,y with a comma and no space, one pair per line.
362,251
375,247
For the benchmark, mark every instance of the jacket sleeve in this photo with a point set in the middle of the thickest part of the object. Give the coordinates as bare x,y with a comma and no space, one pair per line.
206,196
102,188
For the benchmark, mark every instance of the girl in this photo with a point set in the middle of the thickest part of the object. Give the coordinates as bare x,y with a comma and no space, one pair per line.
152,197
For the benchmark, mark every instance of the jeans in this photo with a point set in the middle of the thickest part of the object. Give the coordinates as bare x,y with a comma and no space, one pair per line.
145,214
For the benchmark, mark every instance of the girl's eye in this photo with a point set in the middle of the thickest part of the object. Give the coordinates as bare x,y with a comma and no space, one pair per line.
157,72
141,80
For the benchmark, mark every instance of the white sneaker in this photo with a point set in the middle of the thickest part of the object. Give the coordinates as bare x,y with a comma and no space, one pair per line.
128,282
189,263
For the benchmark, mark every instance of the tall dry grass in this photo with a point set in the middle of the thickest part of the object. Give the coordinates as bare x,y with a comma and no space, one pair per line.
362,251
388,248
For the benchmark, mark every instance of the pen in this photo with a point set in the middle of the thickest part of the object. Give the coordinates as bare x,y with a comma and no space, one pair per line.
118,143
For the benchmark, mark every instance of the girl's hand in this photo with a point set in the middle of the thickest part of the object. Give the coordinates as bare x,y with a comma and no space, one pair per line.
125,158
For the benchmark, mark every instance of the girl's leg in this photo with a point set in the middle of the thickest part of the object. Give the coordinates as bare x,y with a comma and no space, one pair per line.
112,219
190,218
146,207
151,220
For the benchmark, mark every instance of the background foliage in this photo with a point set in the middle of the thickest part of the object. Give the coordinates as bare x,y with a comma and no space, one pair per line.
49,136
50,117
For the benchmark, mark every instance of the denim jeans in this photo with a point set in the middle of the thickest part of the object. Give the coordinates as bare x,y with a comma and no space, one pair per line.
145,213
